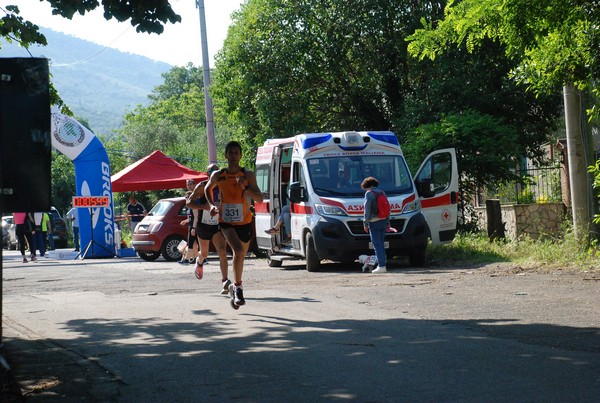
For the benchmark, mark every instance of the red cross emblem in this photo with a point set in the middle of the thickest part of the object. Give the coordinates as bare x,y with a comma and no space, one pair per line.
446,215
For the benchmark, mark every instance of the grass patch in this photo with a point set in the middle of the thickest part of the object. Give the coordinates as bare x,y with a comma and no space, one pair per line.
476,248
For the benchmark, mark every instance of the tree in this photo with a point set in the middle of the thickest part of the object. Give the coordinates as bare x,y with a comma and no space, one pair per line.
554,43
63,182
173,122
289,67
478,135
295,66
177,81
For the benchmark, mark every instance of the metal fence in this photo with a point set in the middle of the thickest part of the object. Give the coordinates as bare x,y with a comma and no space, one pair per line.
536,185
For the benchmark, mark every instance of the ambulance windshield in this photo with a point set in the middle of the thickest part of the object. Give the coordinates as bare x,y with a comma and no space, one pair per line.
342,176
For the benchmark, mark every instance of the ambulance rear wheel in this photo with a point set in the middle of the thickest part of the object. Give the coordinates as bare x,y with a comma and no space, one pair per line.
313,263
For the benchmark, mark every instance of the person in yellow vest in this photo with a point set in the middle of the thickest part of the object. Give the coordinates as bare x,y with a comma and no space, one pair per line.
39,237
237,188
46,228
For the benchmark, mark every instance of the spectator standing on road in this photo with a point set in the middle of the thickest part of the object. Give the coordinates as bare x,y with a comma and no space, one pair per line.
135,212
40,236
237,188
208,230
23,231
374,225
73,216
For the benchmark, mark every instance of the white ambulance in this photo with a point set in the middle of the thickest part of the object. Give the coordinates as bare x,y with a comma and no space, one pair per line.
319,176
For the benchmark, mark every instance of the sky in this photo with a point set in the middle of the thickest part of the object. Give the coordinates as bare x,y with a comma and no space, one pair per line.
179,43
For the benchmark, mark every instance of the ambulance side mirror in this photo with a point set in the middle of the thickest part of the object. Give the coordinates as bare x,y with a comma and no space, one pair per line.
296,193
425,188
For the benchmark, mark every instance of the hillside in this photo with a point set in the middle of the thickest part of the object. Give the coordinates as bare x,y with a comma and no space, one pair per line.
99,84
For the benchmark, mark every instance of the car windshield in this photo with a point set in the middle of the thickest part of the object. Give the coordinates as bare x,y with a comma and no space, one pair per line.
161,208
342,176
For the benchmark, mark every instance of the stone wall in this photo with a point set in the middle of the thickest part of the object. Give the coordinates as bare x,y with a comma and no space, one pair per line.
533,220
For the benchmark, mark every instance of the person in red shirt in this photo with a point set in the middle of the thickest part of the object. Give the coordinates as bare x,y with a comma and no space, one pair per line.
24,231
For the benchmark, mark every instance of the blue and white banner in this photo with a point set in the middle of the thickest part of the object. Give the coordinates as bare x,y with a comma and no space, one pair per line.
92,178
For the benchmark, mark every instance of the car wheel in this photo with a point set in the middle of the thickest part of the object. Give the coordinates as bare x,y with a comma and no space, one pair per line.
169,248
148,256
313,263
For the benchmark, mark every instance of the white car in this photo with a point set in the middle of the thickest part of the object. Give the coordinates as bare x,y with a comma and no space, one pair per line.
9,236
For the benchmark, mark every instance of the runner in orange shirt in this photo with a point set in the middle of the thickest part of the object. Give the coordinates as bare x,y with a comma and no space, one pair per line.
237,188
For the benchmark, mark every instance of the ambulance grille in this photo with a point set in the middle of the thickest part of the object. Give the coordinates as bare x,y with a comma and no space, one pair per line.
356,227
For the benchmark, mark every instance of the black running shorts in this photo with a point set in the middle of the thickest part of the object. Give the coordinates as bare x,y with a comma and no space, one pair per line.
244,232
206,232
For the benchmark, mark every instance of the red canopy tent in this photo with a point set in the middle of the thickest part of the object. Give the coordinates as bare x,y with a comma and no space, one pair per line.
154,172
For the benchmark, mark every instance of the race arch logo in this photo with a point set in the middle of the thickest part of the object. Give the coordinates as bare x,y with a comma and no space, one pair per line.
69,133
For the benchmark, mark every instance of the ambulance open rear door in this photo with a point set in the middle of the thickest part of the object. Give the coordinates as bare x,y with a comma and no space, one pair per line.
437,185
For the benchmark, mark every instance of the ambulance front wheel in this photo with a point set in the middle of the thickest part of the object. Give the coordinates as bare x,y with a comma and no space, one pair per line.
313,263
417,258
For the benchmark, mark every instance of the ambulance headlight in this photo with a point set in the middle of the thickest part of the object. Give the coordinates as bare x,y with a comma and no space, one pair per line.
324,209
412,207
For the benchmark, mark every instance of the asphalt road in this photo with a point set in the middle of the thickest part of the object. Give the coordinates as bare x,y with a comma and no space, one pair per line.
126,330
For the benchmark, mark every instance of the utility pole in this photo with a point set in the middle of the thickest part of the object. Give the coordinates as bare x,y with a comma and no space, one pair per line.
577,153
210,124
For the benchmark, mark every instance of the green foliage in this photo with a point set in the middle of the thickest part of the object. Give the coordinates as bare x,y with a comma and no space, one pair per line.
14,27
63,182
595,171
486,147
476,248
145,15
289,67
174,121
301,66
554,42
178,81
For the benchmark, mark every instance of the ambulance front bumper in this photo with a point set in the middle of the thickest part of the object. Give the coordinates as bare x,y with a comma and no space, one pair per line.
335,241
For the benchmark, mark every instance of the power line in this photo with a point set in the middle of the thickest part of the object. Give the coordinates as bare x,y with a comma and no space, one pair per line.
86,59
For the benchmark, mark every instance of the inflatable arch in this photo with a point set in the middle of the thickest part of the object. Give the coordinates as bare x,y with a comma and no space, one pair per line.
92,178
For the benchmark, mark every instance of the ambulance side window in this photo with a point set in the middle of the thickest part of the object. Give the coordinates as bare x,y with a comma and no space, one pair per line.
299,179
438,172
298,174
262,179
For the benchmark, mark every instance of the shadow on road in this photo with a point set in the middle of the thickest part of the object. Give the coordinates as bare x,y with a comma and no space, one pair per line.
254,357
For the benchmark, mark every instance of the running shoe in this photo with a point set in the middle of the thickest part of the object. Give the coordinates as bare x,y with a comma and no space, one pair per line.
239,296
225,289
199,271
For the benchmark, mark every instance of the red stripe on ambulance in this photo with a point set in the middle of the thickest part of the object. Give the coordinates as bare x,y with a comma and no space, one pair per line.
261,207
436,201
301,209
